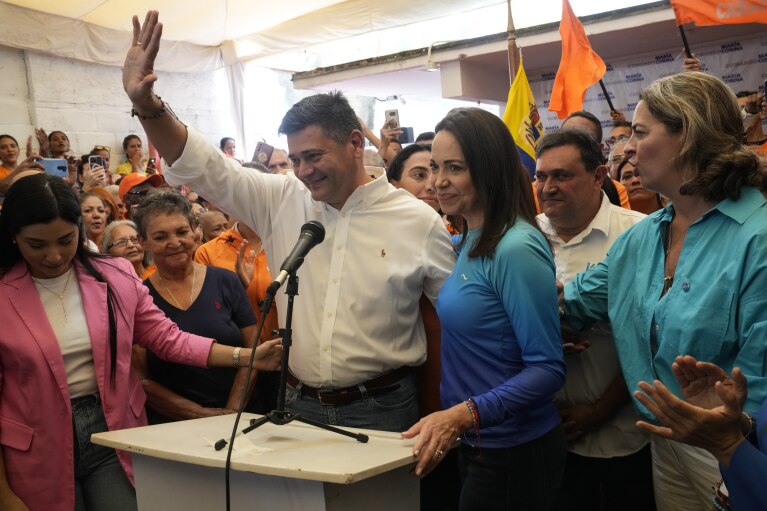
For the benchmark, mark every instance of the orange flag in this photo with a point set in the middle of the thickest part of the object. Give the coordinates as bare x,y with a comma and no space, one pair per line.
719,12
579,68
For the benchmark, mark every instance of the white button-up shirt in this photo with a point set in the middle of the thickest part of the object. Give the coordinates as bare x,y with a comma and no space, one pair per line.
591,372
356,315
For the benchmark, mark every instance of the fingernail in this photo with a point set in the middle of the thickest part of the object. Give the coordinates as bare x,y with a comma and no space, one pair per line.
418,472
415,453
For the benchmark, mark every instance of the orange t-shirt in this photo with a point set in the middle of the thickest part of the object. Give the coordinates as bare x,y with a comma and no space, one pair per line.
4,172
222,253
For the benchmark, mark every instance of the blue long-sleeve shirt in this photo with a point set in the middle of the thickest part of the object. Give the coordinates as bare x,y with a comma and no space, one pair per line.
501,343
746,477
716,309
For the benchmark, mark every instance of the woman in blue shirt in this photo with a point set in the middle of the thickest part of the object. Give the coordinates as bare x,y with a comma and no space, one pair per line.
690,279
502,357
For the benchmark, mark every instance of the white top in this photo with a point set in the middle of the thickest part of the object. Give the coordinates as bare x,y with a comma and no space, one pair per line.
357,312
591,372
67,318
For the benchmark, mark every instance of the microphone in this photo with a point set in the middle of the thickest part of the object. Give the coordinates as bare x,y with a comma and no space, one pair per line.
312,233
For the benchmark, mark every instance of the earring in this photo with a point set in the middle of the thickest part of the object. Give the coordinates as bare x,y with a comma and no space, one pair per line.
14,241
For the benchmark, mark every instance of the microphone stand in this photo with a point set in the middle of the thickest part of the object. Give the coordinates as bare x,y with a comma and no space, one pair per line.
281,416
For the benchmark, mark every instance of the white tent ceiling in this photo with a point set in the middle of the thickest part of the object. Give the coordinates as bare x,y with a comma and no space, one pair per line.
214,31
201,35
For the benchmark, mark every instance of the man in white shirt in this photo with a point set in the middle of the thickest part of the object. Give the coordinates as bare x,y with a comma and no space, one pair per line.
608,463
357,330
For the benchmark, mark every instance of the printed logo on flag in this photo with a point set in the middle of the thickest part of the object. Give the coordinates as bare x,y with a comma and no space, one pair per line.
631,106
634,77
732,78
601,96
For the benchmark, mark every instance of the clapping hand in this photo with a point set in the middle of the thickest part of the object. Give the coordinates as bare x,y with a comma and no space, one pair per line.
710,416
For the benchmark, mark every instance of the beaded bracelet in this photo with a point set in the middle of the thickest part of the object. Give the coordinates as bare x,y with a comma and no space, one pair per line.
472,406
163,109
720,501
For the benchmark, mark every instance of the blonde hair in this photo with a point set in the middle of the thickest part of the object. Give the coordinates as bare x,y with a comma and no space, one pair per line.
705,112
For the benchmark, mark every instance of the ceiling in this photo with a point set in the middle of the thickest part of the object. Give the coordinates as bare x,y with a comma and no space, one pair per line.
613,36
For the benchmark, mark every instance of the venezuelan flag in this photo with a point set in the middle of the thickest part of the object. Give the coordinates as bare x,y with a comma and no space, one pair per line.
521,116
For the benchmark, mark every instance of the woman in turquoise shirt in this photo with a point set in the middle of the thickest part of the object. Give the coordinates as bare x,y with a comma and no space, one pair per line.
689,279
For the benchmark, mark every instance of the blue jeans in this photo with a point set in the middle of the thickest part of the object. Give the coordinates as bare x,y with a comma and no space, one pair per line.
394,411
100,481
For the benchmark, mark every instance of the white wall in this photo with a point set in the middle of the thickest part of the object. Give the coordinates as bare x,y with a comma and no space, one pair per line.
87,101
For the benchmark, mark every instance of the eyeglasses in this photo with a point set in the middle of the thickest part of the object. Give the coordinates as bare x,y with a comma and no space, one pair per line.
123,242
613,141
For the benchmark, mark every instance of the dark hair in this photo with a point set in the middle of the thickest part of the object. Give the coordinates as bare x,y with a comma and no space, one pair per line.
501,183
167,202
330,111
745,93
704,112
620,123
50,135
397,164
41,199
8,136
127,140
224,141
590,117
619,170
426,136
591,154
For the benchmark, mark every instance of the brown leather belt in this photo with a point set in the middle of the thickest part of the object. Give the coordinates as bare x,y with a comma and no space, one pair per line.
377,386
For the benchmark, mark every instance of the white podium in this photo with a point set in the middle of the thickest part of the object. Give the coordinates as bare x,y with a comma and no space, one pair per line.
275,468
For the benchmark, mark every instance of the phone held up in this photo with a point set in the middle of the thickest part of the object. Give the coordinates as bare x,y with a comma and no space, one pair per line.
392,119
94,160
263,153
55,166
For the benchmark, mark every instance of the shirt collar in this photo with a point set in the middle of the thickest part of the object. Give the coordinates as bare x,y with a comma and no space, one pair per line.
366,195
600,222
739,209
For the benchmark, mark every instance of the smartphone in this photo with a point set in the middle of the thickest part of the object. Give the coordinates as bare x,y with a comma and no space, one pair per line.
392,119
55,166
94,160
406,137
263,153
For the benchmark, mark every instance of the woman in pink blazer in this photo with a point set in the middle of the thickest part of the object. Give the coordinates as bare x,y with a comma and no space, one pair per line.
68,320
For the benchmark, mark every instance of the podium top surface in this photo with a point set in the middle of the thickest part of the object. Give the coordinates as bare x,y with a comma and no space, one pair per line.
294,450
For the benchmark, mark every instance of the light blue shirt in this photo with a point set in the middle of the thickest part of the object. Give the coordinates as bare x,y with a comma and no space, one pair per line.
716,309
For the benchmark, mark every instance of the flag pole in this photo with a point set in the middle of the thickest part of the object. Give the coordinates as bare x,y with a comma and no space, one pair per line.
607,96
513,52
684,40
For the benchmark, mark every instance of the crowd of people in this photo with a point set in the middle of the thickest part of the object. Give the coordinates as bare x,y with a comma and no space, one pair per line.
592,339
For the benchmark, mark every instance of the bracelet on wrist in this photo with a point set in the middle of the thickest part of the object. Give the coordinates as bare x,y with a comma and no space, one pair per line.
164,108
236,357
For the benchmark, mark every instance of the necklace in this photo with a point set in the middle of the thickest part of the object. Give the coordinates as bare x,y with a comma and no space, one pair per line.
191,292
60,296
668,278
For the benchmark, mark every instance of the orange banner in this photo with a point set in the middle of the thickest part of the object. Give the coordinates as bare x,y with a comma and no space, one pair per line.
719,12
579,68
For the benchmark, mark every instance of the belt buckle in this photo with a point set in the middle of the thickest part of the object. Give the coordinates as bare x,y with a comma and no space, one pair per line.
325,392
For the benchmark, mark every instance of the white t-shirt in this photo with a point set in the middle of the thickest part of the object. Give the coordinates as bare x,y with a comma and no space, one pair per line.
592,371
67,318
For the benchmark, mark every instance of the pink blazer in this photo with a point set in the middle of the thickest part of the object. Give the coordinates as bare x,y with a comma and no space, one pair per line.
35,409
